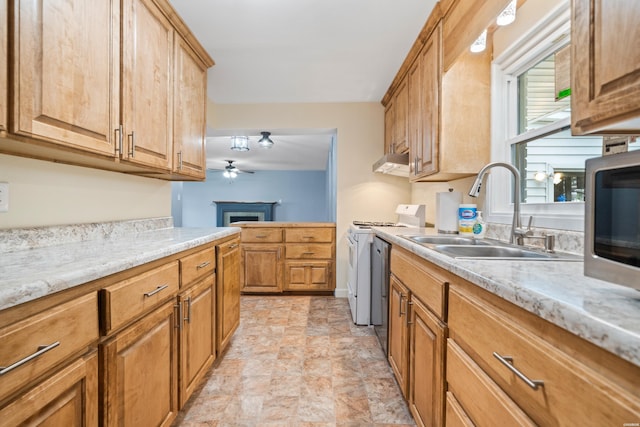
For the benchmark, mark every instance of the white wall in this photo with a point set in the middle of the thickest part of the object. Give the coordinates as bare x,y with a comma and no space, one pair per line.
361,194
46,193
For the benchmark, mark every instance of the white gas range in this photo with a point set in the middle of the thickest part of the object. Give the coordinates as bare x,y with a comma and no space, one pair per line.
359,238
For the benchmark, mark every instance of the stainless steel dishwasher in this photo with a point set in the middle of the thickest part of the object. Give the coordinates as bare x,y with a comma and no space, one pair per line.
380,289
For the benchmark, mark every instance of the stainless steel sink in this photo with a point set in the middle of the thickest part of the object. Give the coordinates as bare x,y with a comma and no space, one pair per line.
502,252
470,248
446,240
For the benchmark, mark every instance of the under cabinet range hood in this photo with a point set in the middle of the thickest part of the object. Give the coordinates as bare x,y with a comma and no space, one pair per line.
393,164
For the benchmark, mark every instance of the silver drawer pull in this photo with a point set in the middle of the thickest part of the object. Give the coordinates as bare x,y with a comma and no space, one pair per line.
235,245
307,237
308,253
42,349
203,265
508,362
156,290
261,236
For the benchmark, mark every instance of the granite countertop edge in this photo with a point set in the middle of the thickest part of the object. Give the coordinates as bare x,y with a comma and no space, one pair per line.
602,313
30,274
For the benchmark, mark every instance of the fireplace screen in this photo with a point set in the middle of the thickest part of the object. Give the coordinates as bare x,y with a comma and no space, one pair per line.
230,212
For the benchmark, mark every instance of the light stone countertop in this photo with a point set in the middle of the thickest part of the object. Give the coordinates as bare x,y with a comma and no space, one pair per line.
33,273
602,313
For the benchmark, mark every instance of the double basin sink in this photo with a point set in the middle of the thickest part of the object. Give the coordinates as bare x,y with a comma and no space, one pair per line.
470,248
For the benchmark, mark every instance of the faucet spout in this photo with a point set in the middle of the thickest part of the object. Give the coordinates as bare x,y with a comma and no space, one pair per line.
516,224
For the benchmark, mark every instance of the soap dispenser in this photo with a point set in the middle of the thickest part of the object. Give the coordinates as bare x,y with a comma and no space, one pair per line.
480,227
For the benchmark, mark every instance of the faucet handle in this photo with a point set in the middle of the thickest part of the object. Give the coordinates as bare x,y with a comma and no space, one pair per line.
530,221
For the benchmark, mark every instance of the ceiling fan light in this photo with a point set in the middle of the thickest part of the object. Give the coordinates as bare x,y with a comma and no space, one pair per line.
265,141
240,143
508,15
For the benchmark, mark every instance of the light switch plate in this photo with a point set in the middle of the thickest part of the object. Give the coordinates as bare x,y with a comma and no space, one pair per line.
4,197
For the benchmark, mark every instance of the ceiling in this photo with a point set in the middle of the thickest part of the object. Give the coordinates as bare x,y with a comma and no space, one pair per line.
299,51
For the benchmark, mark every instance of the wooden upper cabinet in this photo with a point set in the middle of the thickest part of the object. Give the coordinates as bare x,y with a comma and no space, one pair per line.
426,146
3,70
389,135
414,115
147,61
605,74
65,72
189,119
400,127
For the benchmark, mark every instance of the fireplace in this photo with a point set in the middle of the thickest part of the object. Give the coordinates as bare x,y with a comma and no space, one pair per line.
229,212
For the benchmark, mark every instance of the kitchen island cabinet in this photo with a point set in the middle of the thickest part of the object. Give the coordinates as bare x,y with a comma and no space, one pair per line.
145,301
227,292
605,67
112,85
287,257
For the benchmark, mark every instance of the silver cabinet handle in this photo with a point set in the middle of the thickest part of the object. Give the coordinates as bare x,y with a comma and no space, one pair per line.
308,253
179,160
119,146
132,137
203,265
508,362
400,306
156,290
235,245
261,236
42,349
188,318
409,304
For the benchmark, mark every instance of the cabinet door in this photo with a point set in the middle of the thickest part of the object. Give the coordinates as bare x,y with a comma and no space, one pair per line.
261,268
308,276
147,61
430,58
197,335
455,415
66,68
228,292
3,70
398,332
389,118
189,97
400,128
426,366
140,372
605,67
68,398
414,82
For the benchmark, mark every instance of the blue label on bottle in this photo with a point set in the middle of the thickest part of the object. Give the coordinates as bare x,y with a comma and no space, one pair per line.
467,213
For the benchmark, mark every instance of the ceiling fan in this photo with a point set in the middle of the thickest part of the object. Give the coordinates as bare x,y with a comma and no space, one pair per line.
230,170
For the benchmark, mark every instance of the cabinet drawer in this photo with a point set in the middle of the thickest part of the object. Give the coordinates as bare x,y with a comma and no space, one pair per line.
428,284
476,392
455,415
302,251
45,340
308,235
197,265
132,297
262,235
485,332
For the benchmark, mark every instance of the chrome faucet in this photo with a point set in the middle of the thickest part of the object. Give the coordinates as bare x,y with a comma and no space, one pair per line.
517,233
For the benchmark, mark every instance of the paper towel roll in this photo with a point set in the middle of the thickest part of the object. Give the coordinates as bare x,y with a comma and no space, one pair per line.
447,211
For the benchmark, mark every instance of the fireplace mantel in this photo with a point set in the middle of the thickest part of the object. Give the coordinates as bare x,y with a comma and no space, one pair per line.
228,212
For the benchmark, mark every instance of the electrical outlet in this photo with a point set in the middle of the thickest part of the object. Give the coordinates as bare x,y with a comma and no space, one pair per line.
4,197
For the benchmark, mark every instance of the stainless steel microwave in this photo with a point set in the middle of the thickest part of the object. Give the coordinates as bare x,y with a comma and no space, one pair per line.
612,219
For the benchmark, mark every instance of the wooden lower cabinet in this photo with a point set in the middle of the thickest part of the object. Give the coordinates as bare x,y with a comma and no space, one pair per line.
426,365
454,413
307,275
227,292
141,371
398,332
261,268
197,335
68,398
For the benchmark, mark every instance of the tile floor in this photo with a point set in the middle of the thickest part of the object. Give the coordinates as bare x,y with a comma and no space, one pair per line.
298,361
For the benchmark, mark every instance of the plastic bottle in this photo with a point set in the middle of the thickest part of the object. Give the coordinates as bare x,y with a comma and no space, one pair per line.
479,227
466,219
